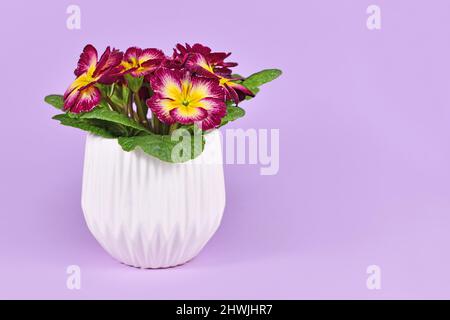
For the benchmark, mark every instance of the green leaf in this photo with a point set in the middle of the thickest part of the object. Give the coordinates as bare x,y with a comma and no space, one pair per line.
114,93
254,90
134,83
55,100
162,146
92,126
102,112
256,80
104,89
233,113
125,92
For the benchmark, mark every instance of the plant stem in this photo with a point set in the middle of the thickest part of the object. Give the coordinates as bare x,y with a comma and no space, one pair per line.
164,129
112,89
114,106
140,110
130,110
130,105
173,127
155,123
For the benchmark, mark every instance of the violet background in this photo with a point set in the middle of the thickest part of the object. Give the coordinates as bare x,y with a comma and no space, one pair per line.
364,178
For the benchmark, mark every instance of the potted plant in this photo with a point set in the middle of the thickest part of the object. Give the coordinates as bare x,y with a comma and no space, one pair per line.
155,198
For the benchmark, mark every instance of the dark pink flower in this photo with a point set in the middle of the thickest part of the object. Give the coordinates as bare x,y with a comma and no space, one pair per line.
140,62
198,63
186,99
214,59
82,95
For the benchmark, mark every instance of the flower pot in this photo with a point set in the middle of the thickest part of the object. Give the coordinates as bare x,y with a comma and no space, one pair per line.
148,213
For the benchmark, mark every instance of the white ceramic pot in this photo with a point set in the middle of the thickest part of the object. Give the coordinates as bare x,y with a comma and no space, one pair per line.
148,213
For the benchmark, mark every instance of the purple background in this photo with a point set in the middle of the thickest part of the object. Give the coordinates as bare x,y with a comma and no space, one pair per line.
364,178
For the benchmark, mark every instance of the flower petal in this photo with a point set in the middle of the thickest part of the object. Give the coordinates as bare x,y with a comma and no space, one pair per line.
218,57
161,107
70,98
88,60
216,107
241,88
210,122
199,48
132,53
231,94
198,63
188,115
79,83
204,87
109,60
151,54
86,100
146,68
167,83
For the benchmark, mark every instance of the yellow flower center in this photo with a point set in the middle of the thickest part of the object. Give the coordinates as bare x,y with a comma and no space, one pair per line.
223,81
207,66
187,98
85,79
134,63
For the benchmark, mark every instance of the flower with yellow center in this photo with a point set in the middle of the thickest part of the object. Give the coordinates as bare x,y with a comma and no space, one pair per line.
140,62
182,98
82,95
199,64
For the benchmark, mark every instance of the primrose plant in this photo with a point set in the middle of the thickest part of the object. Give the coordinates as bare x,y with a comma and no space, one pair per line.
142,96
